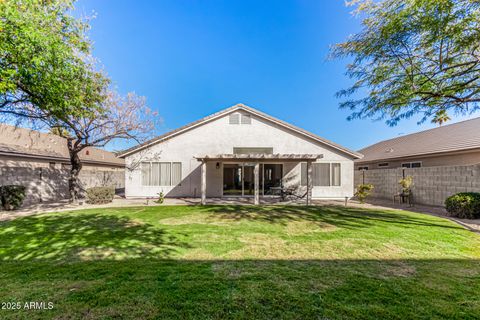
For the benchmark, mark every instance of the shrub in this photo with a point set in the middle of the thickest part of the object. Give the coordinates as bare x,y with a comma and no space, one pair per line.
161,197
100,195
363,191
12,196
406,184
464,205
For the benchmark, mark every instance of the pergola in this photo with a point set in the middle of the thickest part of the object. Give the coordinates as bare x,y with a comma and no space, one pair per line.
257,159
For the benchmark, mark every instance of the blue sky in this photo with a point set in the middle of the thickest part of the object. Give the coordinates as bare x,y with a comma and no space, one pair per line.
193,58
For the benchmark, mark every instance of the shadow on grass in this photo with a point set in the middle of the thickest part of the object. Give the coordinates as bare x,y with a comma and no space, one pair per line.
67,237
94,266
345,217
247,289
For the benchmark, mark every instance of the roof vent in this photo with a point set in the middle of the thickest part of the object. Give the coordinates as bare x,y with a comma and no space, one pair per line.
389,150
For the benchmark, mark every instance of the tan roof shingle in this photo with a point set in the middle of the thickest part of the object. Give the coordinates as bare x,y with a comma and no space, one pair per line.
21,141
464,135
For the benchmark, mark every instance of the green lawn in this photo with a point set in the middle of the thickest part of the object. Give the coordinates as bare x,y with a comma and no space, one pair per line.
240,262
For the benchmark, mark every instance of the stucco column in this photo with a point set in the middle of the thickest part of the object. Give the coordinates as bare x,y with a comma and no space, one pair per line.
256,179
309,182
203,182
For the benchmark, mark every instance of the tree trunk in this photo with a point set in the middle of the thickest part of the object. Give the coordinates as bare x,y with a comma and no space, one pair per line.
76,166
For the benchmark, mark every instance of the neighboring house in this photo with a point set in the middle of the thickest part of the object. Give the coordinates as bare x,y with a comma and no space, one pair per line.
449,145
239,152
20,147
40,162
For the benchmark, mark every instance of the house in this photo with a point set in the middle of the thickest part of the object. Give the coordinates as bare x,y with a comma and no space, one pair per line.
449,145
40,162
20,147
239,152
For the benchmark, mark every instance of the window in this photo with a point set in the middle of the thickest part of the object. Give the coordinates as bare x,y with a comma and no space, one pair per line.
363,168
336,174
161,173
253,150
237,118
246,119
383,164
323,174
234,118
176,173
412,164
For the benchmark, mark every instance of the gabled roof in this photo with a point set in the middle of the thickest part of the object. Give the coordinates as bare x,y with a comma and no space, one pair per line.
22,142
234,108
461,136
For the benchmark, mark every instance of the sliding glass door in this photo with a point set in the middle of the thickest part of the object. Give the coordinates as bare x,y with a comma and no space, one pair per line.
239,179
232,179
271,178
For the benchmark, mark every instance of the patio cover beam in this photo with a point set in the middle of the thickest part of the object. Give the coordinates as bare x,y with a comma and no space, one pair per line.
252,157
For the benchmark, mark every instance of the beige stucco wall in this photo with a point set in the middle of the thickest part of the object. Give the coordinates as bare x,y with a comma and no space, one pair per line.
220,137
460,159
44,183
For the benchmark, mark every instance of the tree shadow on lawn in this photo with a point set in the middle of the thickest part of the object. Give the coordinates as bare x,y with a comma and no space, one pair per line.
246,289
104,266
349,218
68,237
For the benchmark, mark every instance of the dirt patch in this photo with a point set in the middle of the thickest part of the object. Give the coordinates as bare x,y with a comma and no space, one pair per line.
397,269
134,223
198,254
195,219
305,227
88,254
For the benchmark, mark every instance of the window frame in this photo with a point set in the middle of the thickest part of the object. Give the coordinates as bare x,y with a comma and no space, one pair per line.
411,164
245,116
230,117
170,163
383,165
303,174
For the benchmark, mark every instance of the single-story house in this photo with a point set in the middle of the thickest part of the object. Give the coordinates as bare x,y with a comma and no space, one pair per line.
448,145
239,152
21,147
41,162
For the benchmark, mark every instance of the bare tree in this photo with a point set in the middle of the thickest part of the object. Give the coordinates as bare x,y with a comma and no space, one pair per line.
127,118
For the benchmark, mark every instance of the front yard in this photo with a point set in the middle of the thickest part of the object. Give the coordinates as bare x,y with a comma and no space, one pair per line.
218,262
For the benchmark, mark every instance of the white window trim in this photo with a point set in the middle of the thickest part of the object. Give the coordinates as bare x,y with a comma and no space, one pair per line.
171,173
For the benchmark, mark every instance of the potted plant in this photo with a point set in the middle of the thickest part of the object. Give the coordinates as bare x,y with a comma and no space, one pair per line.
406,184
161,197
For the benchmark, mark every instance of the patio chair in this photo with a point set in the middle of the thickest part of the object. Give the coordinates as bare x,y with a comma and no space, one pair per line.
404,198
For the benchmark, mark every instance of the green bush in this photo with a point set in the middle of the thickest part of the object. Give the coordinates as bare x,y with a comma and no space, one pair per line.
11,197
161,197
465,205
100,195
363,191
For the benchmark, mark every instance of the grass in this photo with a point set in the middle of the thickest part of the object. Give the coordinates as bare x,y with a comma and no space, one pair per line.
239,262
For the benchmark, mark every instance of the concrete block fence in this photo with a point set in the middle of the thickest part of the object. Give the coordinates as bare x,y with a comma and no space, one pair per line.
45,184
431,185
